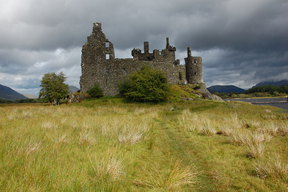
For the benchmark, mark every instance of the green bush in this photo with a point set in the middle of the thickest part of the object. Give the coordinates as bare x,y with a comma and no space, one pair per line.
95,91
146,85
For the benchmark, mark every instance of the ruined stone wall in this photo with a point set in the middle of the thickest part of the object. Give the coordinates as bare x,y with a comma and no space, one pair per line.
115,71
100,66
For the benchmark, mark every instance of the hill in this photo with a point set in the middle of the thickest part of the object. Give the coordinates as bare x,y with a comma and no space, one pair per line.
30,96
225,89
7,93
271,83
73,89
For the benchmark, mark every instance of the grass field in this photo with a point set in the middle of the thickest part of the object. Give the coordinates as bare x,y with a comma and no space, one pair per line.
108,145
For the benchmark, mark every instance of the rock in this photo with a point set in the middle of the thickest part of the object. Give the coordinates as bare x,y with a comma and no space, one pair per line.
216,98
207,95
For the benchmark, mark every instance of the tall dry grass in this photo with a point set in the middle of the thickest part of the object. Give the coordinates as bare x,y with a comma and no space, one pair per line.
131,147
252,133
272,167
71,142
107,166
278,128
209,124
174,179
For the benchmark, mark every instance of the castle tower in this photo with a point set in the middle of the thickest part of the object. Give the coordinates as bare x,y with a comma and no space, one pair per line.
193,67
96,53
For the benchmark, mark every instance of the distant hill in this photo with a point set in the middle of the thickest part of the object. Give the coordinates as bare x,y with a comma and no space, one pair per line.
225,89
29,96
273,83
73,89
7,93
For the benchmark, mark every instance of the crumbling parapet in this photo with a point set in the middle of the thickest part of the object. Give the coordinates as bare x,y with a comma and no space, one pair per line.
167,54
169,47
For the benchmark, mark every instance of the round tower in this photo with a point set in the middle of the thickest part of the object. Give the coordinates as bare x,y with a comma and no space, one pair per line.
193,68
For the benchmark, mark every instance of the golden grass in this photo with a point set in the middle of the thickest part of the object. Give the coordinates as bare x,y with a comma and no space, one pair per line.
279,128
179,177
59,136
255,150
209,124
173,180
251,133
273,167
249,138
134,147
106,166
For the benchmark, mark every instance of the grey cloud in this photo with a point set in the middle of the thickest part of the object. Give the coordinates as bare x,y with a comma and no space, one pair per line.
241,42
251,67
31,62
29,66
201,24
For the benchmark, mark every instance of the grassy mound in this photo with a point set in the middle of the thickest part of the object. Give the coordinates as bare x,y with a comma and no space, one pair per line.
184,92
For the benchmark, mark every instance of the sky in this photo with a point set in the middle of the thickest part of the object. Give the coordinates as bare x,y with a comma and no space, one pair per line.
242,42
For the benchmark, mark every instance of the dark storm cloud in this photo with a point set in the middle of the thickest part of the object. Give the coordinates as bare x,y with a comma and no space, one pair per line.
232,24
244,68
241,41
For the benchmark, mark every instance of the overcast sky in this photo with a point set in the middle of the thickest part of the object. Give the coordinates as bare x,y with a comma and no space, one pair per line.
242,42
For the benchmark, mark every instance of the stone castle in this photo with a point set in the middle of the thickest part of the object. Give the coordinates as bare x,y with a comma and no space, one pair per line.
99,65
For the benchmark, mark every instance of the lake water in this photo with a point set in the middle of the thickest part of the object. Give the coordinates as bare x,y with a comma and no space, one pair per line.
276,102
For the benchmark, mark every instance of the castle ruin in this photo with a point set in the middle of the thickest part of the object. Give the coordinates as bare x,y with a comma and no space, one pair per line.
100,66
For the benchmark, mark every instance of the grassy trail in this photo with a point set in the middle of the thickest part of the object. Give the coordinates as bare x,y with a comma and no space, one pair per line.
186,151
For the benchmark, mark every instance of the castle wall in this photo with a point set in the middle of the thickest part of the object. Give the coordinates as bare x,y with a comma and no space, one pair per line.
99,65
113,72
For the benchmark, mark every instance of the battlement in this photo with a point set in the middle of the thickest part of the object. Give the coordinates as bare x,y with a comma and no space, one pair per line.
99,65
167,54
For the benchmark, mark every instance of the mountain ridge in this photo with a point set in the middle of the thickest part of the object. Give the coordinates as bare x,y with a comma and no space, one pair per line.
8,93
272,83
225,89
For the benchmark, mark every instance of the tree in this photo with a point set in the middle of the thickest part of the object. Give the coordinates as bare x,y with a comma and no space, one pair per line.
95,91
146,85
53,88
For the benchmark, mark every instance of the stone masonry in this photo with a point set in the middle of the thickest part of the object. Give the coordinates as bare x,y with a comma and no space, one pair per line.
99,65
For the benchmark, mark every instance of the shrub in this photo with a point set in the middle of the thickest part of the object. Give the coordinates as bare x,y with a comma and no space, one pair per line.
146,85
95,91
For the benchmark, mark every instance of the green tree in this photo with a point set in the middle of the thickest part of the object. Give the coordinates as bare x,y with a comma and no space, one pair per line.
146,85
95,91
53,88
